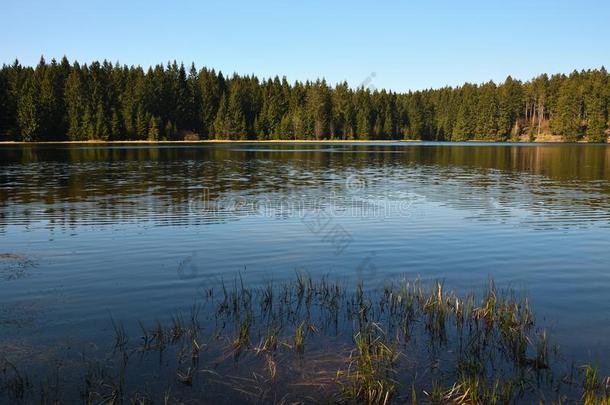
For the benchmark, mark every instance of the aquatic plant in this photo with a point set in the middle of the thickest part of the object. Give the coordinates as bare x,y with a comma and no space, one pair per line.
405,342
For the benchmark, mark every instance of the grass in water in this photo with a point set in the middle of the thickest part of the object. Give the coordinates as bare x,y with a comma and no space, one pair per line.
595,391
299,338
405,342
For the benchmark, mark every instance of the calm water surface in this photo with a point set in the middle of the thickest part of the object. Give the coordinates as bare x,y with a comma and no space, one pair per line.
132,232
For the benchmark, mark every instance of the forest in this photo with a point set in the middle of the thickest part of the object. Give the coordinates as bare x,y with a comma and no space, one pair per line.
61,101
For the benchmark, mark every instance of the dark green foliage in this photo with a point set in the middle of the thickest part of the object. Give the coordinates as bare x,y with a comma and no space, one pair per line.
142,123
596,107
487,112
465,123
510,100
102,129
11,81
28,111
87,130
75,99
59,101
116,129
220,130
170,130
363,125
567,118
153,129
319,109
5,116
416,119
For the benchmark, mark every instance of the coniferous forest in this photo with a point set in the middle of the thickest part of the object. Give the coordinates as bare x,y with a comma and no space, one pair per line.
59,101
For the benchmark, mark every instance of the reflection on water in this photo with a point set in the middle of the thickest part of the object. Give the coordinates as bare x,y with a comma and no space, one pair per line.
541,186
136,230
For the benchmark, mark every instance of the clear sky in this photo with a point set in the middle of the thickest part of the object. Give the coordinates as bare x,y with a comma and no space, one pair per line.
408,44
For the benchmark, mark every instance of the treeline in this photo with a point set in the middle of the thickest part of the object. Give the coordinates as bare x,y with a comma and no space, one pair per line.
63,101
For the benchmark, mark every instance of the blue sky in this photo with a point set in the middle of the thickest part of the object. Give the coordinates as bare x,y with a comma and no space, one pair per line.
408,45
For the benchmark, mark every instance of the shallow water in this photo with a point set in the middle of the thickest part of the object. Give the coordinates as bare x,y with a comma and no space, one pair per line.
132,232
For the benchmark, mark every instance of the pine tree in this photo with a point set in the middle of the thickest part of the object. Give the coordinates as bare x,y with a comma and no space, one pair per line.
363,124
5,117
13,81
170,130
75,104
377,127
28,111
566,118
211,88
465,126
389,126
62,101
142,123
487,112
153,129
415,114
596,108
319,108
115,126
597,121
235,123
101,125
193,102
88,124
510,100
47,104
220,122
342,112
285,129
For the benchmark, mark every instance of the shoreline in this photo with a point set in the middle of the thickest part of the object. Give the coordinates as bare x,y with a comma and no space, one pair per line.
283,141
203,141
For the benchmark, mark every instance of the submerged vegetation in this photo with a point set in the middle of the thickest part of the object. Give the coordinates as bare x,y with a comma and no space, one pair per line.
321,340
13,266
63,101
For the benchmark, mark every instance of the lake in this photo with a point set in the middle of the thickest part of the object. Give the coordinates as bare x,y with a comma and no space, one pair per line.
90,233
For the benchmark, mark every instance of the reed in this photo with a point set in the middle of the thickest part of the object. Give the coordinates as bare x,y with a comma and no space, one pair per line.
299,338
595,391
404,342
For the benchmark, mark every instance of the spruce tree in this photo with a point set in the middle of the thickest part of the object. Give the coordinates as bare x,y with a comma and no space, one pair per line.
115,126
510,99
142,123
4,105
487,112
211,88
363,124
153,129
319,108
465,125
415,113
596,108
170,130
377,127
62,101
13,80
285,128
28,111
75,104
88,124
235,118
220,122
389,127
597,121
566,118
342,111
101,125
